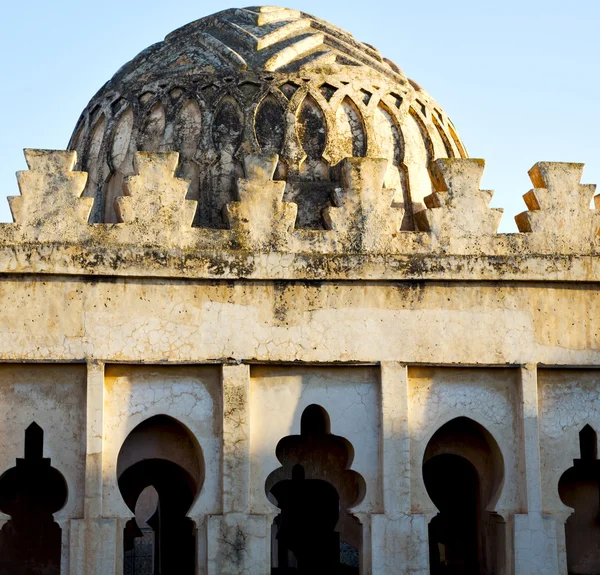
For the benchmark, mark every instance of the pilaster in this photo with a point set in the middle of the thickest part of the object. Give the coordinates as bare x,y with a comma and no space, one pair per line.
395,439
94,435
236,438
96,542
237,541
65,531
399,538
535,541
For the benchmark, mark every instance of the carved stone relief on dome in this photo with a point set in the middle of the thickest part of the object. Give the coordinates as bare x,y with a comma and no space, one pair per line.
260,80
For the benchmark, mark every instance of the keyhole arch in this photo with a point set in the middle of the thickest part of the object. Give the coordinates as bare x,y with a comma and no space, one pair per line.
463,473
579,489
315,490
31,493
161,453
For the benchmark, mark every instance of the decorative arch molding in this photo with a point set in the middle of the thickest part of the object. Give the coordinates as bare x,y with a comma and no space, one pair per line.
315,490
160,453
463,473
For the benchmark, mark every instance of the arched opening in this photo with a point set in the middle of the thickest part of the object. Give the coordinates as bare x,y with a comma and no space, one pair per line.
419,153
227,133
97,168
269,128
187,132
310,185
312,133
352,137
315,533
121,157
153,129
463,472
579,488
389,144
31,492
160,472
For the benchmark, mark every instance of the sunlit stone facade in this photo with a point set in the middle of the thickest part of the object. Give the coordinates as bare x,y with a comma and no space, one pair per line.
258,319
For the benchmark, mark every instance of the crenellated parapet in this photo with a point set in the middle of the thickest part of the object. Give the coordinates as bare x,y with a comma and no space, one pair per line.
456,237
559,217
363,214
50,206
261,220
458,215
154,205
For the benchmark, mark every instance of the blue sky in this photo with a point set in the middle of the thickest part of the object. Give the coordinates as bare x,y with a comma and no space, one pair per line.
520,79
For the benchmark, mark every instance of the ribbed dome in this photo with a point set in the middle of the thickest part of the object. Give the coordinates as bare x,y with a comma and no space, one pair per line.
264,80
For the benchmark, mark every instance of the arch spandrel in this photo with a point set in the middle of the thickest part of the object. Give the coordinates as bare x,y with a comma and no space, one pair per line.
353,413
156,391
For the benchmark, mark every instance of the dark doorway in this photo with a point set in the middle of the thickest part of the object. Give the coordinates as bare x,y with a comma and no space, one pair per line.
30,543
463,472
453,486
315,533
160,490
579,488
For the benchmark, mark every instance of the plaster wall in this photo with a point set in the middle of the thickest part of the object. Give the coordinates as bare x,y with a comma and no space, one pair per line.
488,397
54,397
569,400
466,346
190,395
278,397
312,232
145,320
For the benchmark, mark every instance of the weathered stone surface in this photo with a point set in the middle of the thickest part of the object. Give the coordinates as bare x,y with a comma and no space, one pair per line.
157,232
364,217
154,203
458,211
400,545
50,206
559,215
458,241
260,219
211,337
238,544
236,438
535,544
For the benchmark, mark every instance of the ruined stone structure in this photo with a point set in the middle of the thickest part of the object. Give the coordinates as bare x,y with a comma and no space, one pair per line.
258,319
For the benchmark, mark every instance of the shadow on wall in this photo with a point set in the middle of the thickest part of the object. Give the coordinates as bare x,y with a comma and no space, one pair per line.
30,492
160,472
315,533
463,470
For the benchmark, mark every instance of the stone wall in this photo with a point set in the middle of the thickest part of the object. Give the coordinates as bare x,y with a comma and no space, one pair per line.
200,338
233,333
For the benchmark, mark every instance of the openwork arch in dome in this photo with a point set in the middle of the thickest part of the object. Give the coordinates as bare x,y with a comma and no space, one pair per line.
262,80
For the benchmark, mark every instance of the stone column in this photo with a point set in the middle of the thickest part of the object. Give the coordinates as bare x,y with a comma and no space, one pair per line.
237,541
535,545
399,538
65,552
96,542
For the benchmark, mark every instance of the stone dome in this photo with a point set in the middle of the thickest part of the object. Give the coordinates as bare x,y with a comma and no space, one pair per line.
262,80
